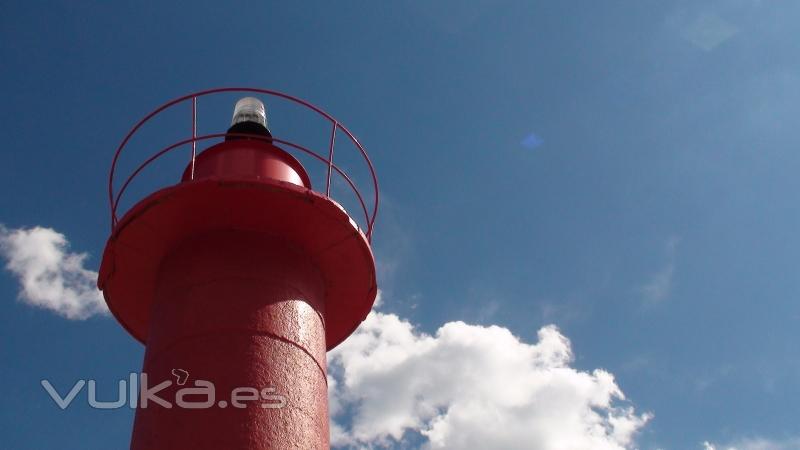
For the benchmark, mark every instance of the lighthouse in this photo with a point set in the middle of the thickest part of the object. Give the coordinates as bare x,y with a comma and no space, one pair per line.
238,278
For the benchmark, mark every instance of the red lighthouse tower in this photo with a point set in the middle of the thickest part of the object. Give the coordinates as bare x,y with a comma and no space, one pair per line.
238,279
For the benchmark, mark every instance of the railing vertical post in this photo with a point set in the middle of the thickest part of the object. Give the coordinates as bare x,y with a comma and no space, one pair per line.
330,159
114,198
194,135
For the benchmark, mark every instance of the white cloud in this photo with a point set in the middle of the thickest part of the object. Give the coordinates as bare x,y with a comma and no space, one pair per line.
50,276
471,387
705,31
658,288
378,300
756,443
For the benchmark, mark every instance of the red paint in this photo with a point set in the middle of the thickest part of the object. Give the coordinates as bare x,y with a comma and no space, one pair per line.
244,277
252,159
239,309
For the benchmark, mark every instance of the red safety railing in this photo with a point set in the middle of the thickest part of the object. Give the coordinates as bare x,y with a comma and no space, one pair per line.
369,217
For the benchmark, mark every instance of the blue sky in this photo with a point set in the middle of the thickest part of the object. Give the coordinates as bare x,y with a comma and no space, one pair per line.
652,216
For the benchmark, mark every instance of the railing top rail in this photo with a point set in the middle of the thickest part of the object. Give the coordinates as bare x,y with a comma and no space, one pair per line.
114,199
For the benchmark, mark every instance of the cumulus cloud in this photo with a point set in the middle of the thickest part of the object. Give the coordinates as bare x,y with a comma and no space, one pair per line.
49,275
471,387
757,443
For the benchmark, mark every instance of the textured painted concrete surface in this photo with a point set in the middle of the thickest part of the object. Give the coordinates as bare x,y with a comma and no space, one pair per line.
237,309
